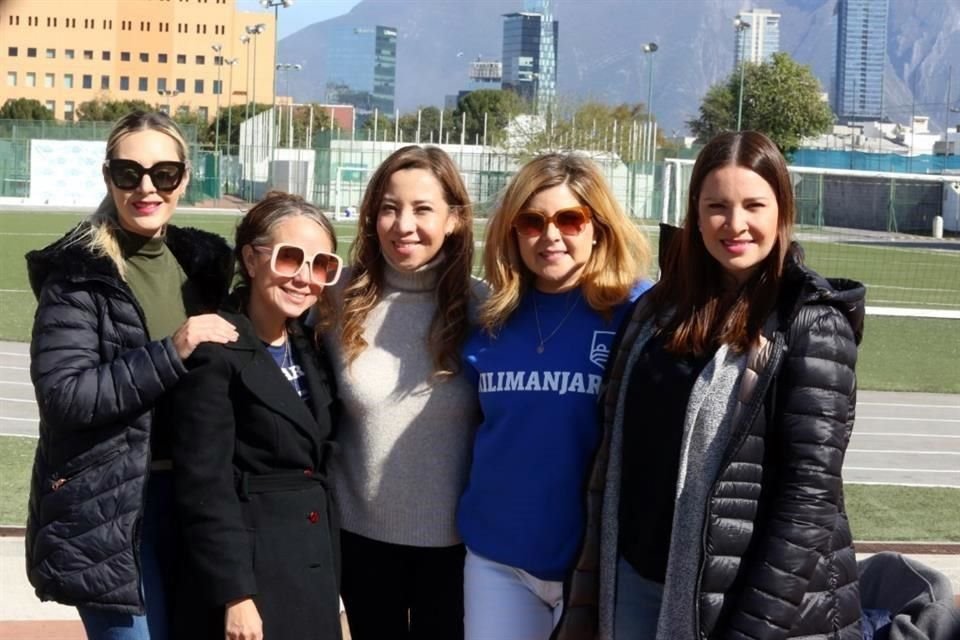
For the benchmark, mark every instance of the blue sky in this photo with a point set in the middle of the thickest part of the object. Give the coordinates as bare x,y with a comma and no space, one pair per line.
302,13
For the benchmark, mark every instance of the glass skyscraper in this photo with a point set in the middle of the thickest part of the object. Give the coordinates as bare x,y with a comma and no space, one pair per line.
861,57
760,41
530,54
362,69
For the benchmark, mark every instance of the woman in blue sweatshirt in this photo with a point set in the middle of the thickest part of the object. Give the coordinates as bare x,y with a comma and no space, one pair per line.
563,263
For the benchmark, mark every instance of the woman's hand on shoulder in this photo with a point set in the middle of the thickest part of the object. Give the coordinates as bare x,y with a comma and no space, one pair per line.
242,620
208,327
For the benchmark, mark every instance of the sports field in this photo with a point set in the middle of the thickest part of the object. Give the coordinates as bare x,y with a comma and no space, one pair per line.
903,354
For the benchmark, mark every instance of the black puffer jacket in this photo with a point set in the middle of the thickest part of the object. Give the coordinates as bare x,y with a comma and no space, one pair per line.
778,559
97,376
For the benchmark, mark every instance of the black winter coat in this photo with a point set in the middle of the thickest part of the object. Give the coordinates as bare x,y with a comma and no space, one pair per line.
97,377
253,503
778,553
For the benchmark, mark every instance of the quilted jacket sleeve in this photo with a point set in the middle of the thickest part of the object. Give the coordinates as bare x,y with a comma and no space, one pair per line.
77,382
811,428
221,548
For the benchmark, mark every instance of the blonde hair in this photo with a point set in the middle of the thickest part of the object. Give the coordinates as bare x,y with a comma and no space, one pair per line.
619,257
448,328
100,236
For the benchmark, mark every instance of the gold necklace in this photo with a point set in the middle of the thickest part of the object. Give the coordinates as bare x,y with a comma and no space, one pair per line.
536,317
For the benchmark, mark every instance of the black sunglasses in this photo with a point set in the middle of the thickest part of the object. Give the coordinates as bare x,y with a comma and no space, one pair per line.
127,174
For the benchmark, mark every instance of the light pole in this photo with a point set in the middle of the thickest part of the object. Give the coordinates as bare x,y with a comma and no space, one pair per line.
218,61
740,26
275,4
649,49
287,67
168,93
230,62
253,31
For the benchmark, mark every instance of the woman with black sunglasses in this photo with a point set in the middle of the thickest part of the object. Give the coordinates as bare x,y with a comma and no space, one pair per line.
117,298
252,444
563,262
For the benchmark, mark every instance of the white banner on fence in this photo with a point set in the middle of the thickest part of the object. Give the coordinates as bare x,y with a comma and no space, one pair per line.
66,172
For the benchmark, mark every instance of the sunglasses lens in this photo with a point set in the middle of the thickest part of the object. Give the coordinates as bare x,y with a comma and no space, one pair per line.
325,268
166,176
288,261
125,174
529,224
570,221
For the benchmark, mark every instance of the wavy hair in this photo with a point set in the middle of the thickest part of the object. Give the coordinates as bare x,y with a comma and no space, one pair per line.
618,259
100,236
694,289
448,328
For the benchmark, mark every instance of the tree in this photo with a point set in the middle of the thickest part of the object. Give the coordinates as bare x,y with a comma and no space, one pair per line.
781,98
500,107
109,110
234,116
24,109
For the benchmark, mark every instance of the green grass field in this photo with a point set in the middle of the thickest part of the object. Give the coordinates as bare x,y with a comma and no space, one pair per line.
898,354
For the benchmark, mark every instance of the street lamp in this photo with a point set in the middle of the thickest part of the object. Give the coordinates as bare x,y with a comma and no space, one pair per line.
218,61
275,4
740,26
285,66
253,31
230,62
169,93
650,48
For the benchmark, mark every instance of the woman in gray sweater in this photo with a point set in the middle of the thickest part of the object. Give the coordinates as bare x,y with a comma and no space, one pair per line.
408,414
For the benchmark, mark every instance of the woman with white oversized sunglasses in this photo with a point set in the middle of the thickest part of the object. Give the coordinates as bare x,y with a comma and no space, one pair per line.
253,443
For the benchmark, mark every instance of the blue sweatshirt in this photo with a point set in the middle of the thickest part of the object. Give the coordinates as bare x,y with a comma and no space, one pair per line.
523,505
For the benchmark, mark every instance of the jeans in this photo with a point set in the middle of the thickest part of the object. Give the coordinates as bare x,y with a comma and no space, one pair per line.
638,604
506,603
396,592
157,561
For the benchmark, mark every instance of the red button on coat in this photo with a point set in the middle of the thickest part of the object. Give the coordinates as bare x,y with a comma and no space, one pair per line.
308,472
313,517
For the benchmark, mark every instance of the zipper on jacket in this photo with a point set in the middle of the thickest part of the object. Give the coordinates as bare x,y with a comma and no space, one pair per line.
773,366
62,479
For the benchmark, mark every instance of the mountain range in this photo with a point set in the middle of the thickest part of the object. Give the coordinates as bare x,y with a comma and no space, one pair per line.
600,50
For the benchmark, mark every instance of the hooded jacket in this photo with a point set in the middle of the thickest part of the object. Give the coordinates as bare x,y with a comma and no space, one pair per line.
97,376
772,555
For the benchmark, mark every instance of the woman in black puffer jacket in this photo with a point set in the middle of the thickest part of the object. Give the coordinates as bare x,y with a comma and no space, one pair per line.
114,323
715,506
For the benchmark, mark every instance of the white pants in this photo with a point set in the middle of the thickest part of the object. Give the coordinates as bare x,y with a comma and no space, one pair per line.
505,603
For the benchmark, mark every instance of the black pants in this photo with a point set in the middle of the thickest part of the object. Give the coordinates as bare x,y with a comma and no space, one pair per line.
396,592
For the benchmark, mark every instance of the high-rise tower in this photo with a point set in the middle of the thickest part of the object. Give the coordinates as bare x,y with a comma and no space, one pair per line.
861,56
530,54
758,42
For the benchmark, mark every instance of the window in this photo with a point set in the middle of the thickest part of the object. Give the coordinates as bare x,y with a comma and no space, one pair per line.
198,86
217,87
104,82
87,54
48,80
51,53
161,84
87,81
68,109
12,52
51,105
201,60
68,81
124,56
31,52
31,79
141,84
124,83
181,58
68,54
183,111
204,113
105,55
144,57
218,60
14,20
11,78
162,57
181,85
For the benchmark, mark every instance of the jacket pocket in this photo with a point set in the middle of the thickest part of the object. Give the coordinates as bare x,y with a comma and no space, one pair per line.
83,465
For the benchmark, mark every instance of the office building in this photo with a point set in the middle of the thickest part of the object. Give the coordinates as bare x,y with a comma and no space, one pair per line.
159,51
861,57
362,69
760,40
529,61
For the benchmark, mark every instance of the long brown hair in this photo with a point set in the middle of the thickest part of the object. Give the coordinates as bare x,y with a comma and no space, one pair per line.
448,329
694,288
618,259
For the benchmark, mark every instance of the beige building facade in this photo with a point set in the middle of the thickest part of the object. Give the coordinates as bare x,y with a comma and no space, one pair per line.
160,51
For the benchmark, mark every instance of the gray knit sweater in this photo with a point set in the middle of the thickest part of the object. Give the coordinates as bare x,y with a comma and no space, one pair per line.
405,438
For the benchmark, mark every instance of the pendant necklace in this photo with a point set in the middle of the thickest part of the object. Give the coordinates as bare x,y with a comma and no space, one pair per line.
536,317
